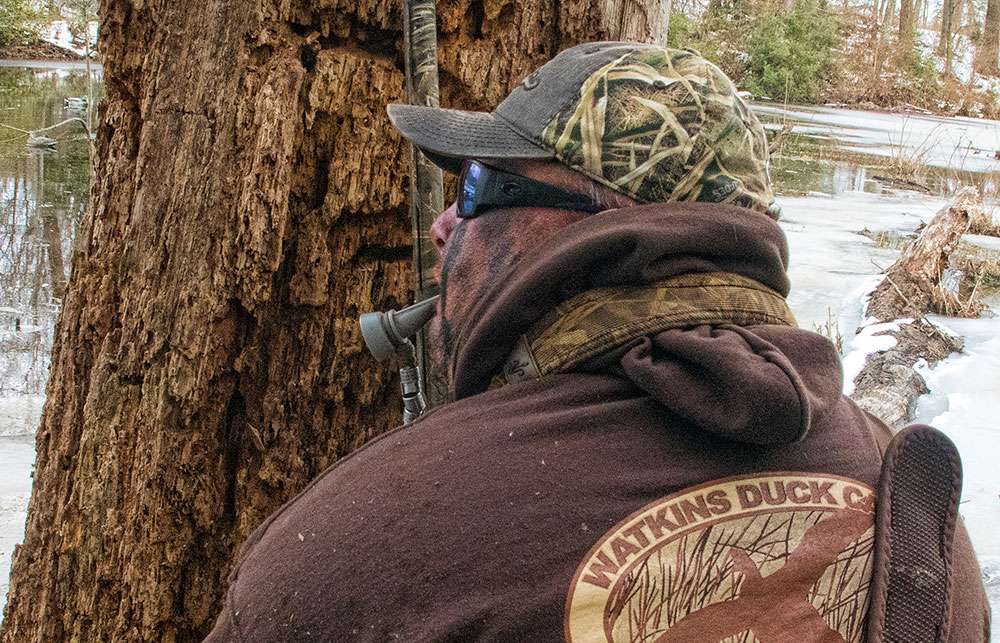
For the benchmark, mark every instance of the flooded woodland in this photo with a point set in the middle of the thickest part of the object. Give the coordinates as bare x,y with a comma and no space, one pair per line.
43,197
844,178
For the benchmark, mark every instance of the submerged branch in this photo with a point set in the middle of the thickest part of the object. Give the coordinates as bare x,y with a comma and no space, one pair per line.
36,132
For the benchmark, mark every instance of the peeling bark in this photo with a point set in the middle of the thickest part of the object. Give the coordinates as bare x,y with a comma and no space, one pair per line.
911,284
250,201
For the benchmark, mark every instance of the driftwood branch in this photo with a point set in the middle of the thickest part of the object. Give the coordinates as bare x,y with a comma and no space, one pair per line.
889,384
912,284
33,134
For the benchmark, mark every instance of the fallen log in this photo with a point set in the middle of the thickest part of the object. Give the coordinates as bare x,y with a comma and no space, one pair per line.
916,284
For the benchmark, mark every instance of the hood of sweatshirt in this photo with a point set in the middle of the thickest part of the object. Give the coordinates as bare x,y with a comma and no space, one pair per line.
763,384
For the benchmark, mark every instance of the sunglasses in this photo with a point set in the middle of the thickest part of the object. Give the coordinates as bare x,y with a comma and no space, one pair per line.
482,187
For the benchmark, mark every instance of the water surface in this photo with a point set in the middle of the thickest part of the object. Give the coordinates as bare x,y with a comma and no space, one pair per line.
43,195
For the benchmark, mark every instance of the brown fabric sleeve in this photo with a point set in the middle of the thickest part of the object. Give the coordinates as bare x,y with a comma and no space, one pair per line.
970,610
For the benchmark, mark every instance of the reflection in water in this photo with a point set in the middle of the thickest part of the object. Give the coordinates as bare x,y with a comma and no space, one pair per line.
834,151
43,195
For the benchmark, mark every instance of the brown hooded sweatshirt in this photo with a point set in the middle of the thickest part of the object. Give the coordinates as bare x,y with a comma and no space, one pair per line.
695,484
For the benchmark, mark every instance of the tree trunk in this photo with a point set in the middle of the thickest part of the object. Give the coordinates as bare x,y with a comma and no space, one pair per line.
889,12
906,27
249,202
989,43
944,40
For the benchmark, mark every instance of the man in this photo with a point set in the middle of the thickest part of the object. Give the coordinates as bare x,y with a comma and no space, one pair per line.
642,446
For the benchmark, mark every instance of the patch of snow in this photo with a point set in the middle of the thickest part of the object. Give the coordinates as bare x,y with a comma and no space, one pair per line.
832,267
983,241
870,339
963,52
19,414
17,456
58,33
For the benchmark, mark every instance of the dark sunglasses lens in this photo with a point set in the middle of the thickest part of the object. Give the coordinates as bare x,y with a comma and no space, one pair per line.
470,183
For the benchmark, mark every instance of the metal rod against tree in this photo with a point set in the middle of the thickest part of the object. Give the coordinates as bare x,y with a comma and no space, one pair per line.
426,192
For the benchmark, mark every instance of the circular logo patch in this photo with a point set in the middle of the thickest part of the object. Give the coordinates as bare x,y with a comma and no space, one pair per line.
780,557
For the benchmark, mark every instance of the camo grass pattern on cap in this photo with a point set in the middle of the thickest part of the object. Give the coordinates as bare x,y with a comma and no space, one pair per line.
665,125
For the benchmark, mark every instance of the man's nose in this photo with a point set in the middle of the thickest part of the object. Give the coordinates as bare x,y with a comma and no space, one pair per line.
443,225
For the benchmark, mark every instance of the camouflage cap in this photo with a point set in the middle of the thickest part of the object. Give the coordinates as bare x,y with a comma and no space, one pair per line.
654,123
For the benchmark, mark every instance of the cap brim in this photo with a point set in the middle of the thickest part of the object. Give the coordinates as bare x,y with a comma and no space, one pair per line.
449,136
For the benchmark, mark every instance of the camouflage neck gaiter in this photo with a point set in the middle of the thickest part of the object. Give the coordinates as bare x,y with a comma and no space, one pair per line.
600,320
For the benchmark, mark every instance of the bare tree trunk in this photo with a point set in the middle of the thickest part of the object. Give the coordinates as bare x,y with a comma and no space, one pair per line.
249,201
989,43
944,41
906,27
888,13
633,20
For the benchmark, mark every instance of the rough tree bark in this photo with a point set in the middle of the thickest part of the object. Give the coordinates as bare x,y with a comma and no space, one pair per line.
641,20
906,27
944,47
249,203
989,43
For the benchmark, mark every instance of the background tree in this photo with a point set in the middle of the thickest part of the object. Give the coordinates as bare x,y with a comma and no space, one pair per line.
989,43
888,14
248,202
945,46
906,27
19,22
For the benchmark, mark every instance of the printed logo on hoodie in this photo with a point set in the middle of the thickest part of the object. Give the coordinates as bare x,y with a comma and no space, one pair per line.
781,557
